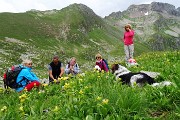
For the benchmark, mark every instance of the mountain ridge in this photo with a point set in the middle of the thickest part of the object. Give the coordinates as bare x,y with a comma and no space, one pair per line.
156,23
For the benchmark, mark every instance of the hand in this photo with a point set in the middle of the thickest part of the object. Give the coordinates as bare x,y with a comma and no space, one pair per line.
129,29
71,68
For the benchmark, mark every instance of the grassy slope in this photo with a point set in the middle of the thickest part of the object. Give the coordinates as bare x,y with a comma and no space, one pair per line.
98,96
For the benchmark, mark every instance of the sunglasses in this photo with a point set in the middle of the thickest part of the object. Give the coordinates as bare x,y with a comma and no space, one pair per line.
98,57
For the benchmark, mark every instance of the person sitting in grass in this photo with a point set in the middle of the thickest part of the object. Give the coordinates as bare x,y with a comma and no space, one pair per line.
55,69
72,67
100,62
26,79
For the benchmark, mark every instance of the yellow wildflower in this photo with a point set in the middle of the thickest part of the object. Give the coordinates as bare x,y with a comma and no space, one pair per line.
70,75
55,80
55,109
81,75
44,85
21,108
119,79
86,87
1,89
134,83
23,96
98,98
105,101
25,89
60,78
22,100
81,92
67,85
80,80
65,78
4,109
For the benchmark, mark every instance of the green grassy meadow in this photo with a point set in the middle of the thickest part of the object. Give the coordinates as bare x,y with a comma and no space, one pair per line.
97,96
76,31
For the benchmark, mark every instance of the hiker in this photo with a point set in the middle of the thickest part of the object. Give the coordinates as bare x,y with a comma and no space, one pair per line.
26,79
72,67
55,69
101,63
128,42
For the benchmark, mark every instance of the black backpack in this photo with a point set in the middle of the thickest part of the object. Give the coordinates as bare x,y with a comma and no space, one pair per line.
10,77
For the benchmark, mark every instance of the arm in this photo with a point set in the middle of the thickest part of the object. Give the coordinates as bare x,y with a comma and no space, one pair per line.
62,70
30,75
130,33
97,63
76,68
67,70
50,72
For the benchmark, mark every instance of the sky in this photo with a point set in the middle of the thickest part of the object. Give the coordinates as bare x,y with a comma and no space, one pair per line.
100,7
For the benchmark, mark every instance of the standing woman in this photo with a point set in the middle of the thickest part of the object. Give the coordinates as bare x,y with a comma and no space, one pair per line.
128,42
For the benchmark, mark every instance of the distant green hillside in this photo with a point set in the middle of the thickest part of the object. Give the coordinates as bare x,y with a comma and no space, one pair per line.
72,31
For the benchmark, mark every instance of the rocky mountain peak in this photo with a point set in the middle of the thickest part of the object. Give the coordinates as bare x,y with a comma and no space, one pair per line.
142,7
141,10
178,9
138,10
165,8
161,7
83,8
115,15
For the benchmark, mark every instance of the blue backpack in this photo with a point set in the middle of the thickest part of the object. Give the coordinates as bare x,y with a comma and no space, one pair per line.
105,61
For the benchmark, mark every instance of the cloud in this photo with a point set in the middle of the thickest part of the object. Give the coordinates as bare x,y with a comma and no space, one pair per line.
6,7
100,7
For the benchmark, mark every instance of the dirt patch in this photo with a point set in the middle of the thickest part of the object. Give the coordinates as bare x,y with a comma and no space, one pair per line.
172,33
13,40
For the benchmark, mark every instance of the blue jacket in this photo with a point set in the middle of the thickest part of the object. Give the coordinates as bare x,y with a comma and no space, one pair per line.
27,75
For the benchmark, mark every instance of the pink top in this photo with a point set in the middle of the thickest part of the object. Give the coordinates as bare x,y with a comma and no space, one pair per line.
128,37
102,65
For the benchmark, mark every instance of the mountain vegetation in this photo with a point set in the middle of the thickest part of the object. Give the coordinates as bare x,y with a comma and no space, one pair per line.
76,31
157,24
